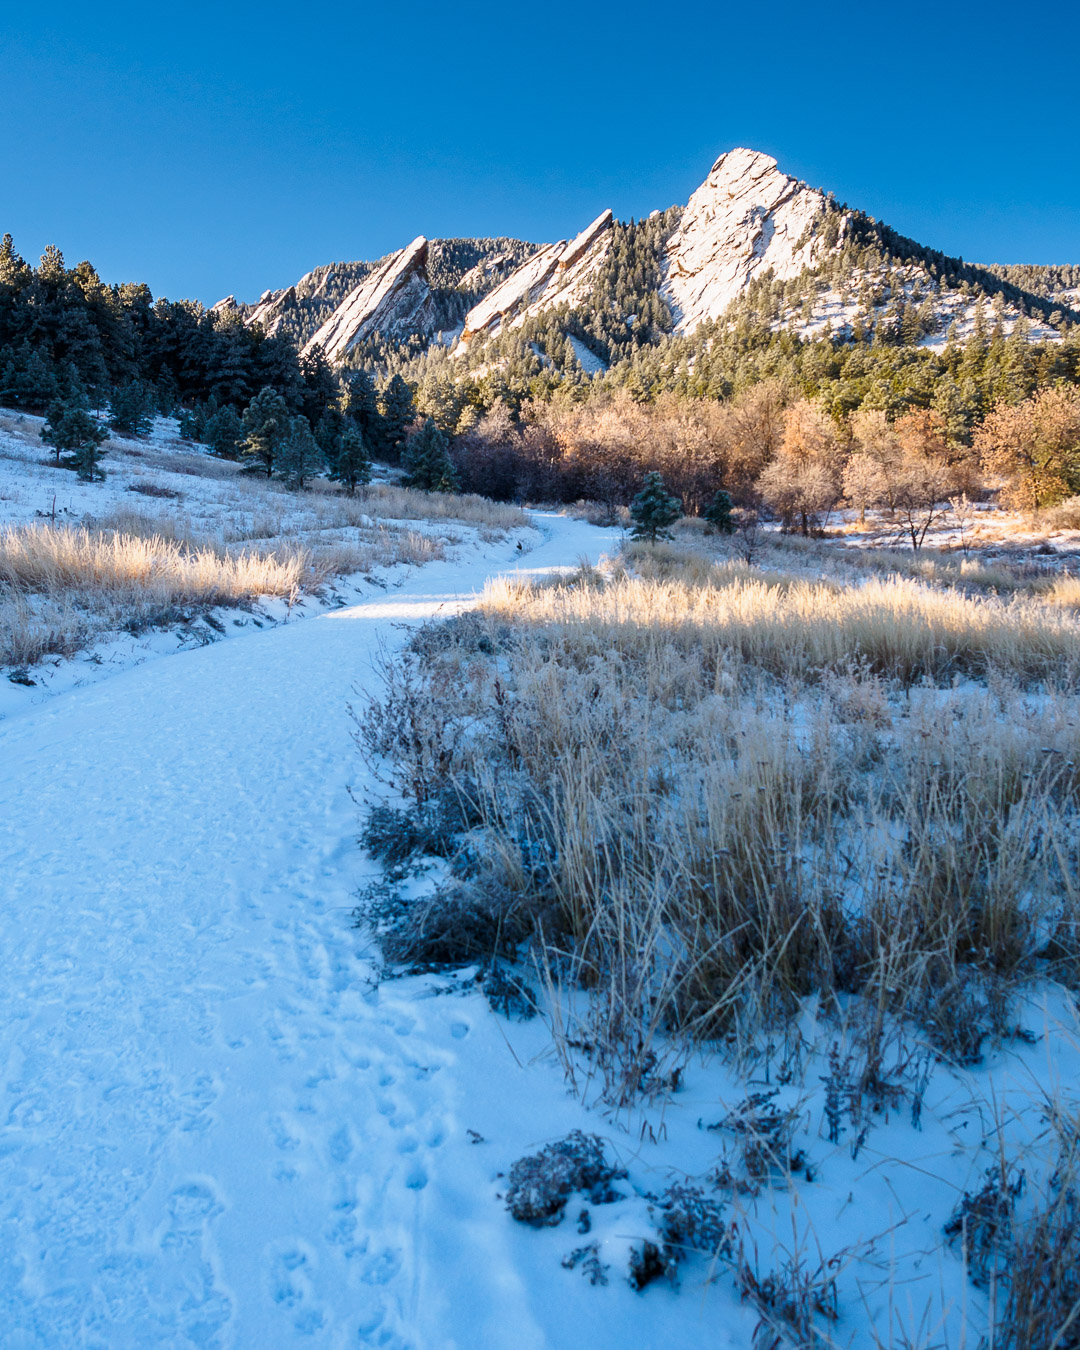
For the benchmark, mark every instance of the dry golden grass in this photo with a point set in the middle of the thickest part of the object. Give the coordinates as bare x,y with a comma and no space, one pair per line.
62,587
717,797
732,616
51,560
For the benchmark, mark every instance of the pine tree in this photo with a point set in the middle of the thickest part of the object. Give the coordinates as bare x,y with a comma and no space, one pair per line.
267,425
351,465
131,409
427,461
320,385
166,393
718,514
74,430
396,406
223,432
300,457
28,380
360,406
654,509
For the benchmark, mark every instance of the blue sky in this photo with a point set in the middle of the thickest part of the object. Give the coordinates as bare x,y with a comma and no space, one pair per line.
208,148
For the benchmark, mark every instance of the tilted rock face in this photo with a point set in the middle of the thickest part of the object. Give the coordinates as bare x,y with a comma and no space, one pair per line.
745,218
273,310
559,272
394,300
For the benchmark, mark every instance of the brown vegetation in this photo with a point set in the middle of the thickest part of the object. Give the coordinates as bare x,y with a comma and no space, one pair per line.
765,445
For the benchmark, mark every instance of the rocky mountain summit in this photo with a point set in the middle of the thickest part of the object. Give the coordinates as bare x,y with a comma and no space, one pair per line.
394,300
418,291
746,219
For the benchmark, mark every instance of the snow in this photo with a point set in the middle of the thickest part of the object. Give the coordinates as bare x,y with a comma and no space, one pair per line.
590,363
218,1128
215,1129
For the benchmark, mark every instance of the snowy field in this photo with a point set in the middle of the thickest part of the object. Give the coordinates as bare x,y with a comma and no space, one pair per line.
219,1127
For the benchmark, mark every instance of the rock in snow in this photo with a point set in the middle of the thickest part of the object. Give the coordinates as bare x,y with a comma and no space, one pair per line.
746,217
395,300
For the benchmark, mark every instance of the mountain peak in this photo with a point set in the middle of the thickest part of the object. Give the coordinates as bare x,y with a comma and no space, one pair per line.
735,163
747,217
394,299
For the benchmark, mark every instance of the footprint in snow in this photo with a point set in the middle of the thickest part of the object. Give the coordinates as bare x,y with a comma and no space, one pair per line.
191,1207
341,1145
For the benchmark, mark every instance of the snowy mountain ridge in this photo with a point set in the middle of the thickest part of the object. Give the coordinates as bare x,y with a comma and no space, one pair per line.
826,269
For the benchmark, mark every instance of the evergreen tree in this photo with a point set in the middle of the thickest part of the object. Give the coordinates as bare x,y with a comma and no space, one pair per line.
300,457
351,464
28,380
131,409
427,460
194,421
396,406
441,398
74,430
267,425
223,432
320,386
718,514
167,393
654,509
360,405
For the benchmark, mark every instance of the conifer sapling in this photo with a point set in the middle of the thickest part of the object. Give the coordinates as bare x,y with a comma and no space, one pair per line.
351,465
718,514
654,509
427,459
76,431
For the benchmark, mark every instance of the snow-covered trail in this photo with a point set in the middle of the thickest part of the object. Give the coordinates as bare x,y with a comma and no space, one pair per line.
213,1130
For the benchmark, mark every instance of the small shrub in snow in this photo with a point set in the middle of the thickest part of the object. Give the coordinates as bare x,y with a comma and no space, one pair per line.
588,1259
692,1222
647,1263
982,1224
390,835
393,835
790,1300
453,927
509,994
765,1131
542,1183
155,490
